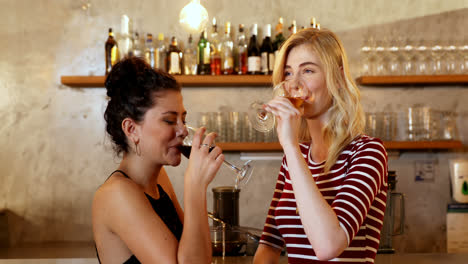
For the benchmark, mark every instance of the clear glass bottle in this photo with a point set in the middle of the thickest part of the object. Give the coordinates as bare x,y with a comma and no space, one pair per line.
137,49
215,56
314,23
190,58
125,40
174,58
227,61
149,51
161,53
241,52
267,53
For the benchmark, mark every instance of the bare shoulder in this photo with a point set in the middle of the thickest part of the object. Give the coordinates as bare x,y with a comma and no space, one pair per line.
121,211
114,196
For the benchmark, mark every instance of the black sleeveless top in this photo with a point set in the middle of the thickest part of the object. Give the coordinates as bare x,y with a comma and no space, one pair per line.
165,210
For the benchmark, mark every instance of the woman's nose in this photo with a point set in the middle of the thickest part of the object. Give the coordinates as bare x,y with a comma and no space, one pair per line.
182,130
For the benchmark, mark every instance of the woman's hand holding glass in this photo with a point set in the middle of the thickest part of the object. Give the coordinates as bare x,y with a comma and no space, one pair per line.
205,158
195,143
287,107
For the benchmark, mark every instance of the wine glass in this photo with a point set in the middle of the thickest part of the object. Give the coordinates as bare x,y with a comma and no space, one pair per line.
264,121
242,174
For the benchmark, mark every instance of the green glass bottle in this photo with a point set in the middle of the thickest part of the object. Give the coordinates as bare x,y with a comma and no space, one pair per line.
203,56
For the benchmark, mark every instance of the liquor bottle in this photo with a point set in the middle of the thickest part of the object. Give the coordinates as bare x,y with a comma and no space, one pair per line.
313,22
279,37
125,40
227,61
161,53
267,53
112,51
203,57
215,56
241,52
174,58
137,50
253,53
149,51
292,28
190,58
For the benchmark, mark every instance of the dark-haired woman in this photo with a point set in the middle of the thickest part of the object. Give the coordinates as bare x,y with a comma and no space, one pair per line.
136,215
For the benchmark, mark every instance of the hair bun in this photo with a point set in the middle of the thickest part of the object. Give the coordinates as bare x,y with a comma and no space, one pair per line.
126,73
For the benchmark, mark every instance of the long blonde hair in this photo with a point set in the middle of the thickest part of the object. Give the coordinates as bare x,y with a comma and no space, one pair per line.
346,115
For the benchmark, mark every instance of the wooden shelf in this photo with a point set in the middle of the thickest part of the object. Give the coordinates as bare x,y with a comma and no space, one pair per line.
184,80
389,145
413,80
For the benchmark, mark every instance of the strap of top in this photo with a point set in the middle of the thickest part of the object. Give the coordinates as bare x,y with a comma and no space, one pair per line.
124,174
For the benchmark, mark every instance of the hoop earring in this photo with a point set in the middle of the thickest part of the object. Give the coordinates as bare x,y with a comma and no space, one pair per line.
137,149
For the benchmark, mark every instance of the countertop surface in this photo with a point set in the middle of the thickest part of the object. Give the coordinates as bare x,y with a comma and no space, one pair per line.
381,259
84,253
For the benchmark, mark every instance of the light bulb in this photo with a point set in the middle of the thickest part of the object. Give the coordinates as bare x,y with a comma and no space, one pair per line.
193,17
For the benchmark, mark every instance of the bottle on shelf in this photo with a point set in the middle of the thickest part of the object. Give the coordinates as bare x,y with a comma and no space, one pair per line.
293,28
149,51
215,56
227,61
313,23
161,53
190,58
125,40
137,49
112,51
203,54
267,52
240,52
253,53
279,37
174,58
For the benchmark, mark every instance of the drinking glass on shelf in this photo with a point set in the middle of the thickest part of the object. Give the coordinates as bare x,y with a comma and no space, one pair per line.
382,59
437,57
264,121
462,55
395,57
408,50
242,174
367,56
423,58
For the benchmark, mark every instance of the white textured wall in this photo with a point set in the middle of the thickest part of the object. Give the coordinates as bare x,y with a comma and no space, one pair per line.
54,152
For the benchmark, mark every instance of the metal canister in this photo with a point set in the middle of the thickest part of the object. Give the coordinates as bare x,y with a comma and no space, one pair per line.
226,204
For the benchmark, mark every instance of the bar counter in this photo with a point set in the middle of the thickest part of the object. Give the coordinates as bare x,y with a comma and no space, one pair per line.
429,258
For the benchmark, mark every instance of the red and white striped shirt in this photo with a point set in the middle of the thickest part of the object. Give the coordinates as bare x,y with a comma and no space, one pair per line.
355,188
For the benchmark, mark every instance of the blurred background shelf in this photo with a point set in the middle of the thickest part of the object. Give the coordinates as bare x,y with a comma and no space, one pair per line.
389,145
413,80
184,80
265,80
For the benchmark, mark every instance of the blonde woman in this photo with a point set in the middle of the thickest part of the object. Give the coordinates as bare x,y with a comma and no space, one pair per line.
330,196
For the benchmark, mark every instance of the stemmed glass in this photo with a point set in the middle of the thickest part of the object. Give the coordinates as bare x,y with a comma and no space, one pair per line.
264,121
242,174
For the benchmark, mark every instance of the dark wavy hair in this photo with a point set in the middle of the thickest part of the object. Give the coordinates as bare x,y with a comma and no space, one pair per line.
132,86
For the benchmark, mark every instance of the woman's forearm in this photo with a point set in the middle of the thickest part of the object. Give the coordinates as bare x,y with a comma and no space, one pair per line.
320,222
195,244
